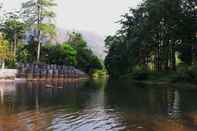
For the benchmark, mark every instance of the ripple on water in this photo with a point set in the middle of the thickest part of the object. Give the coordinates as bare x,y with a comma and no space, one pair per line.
85,120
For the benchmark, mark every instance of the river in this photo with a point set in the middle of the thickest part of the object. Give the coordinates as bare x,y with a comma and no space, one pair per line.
96,106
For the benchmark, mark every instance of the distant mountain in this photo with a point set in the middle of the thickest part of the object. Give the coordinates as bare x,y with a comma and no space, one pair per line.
94,41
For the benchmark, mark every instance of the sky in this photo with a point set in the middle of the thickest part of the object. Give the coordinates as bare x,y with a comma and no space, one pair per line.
97,16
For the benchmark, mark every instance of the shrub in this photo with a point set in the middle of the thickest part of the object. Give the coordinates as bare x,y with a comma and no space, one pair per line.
99,74
193,71
183,74
140,74
10,64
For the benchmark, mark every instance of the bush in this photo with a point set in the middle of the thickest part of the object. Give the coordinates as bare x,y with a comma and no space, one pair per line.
193,71
181,77
10,64
183,74
99,74
182,68
140,74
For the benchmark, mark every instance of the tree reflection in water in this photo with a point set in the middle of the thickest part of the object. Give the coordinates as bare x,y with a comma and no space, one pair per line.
95,106
174,104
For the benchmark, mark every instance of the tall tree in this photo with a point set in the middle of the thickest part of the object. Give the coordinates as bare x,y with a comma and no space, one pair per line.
154,34
38,14
86,59
14,30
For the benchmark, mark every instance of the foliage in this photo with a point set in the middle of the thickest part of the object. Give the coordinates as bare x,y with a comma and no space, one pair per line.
10,27
71,53
14,30
38,15
117,60
74,52
10,64
36,12
35,20
86,60
5,53
23,53
59,54
99,74
154,34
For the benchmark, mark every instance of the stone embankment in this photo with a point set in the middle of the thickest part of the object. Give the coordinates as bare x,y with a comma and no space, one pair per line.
47,72
9,74
41,72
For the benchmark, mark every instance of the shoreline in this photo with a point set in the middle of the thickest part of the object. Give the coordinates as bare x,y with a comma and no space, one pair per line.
14,75
18,80
179,85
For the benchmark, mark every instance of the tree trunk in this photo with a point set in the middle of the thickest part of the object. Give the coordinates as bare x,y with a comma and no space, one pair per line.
173,56
38,35
39,46
15,44
11,45
2,64
146,63
158,58
166,66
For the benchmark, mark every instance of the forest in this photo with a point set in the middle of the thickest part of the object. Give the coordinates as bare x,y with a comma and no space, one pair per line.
27,35
158,38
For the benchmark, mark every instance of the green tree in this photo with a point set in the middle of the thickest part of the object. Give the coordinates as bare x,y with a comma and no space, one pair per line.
86,60
24,53
59,54
5,53
38,14
152,36
14,30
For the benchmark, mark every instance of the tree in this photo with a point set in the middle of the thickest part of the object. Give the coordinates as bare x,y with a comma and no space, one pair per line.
5,53
38,14
14,30
86,60
153,36
24,54
115,61
71,54
62,54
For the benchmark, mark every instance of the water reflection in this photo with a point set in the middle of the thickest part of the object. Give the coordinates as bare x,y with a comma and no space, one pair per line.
174,104
154,108
95,106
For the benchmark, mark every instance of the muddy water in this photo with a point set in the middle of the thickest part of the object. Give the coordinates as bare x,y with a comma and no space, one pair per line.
95,106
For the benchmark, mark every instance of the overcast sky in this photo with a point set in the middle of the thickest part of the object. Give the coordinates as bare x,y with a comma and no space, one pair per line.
90,15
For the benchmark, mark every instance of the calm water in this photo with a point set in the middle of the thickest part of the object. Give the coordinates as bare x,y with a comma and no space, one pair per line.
95,106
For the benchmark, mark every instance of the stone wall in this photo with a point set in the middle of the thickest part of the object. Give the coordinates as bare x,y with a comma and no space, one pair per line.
44,71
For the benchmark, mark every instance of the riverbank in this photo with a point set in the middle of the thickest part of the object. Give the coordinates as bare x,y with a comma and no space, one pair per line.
8,74
180,85
186,77
42,72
